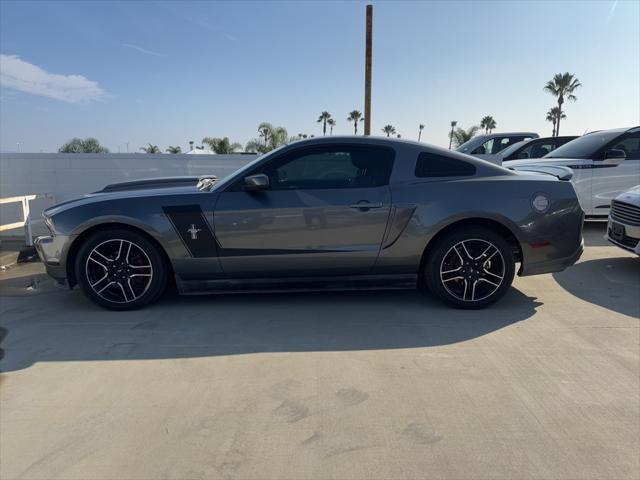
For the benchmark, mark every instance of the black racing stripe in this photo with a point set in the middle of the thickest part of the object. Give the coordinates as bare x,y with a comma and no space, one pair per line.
193,229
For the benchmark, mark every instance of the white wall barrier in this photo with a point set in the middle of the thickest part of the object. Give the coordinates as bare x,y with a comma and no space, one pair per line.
67,176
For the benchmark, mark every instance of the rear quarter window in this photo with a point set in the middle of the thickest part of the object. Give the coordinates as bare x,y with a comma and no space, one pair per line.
430,165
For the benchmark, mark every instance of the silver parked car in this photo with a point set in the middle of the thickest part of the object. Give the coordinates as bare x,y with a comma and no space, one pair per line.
490,145
533,148
623,229
330,213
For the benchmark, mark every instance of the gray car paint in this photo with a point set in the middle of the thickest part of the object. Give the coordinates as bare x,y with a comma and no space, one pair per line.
273,234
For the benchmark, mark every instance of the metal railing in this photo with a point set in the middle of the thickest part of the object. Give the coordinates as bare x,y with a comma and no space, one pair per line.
26,219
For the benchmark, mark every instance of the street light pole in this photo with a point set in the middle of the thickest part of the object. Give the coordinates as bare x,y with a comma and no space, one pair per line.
367,71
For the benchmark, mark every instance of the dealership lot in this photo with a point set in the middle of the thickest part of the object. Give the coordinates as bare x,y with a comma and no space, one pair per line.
545,384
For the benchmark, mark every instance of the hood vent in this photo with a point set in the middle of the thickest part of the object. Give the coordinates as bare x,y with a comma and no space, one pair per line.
165,182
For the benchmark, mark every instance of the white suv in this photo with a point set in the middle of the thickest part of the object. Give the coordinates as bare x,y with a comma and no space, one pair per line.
604,163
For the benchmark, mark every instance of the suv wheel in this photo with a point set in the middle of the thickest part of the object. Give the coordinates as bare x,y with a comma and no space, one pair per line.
470,268
120,269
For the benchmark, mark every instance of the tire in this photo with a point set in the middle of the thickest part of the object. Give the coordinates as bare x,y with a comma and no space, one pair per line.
120,269
469,268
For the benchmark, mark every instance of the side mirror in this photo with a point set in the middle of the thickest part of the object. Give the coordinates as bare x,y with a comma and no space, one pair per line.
614,155
256,183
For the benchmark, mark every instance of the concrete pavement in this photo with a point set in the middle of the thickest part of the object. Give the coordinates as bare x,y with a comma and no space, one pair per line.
385,385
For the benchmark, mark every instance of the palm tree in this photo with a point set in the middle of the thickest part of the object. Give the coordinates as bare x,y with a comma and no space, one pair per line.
174,150
279,137
332,123
221,145
460,135
420,128
389,130
323,119
274,137
453,125
552,116
488,123
151,149
355,116
265,129
562,86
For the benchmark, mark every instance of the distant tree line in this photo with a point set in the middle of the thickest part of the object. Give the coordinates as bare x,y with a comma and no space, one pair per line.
270,137
79,145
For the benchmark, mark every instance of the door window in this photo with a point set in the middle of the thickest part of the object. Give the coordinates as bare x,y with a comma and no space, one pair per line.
536,150
330,167
630,145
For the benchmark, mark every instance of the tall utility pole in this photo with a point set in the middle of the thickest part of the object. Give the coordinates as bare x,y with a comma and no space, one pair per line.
367,72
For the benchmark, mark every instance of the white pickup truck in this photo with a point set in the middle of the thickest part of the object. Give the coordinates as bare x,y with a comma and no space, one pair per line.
604,163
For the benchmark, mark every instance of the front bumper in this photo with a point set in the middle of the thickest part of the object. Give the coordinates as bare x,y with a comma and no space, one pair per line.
52,251
630,241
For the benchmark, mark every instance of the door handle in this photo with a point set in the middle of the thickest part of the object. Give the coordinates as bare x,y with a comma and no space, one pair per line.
364,205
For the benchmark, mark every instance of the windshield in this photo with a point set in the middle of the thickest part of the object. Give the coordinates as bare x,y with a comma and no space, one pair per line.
471,144
238,173
512,148
584,147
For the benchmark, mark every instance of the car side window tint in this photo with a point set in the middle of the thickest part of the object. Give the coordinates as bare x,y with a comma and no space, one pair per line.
433,165
330,167
630,145
536,150
504,142
483,149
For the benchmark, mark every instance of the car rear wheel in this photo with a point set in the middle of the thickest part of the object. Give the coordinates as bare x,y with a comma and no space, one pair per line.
470,268
120,269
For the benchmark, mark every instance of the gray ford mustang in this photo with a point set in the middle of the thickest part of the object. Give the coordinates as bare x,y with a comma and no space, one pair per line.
328,213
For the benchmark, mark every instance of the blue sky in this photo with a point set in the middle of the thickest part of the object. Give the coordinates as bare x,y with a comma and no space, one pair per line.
170,72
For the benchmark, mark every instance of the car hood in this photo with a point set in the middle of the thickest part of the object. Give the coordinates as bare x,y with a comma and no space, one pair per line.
630,196
138,189
154,183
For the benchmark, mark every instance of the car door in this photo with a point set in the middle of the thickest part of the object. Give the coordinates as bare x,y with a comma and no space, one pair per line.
610,178
324,213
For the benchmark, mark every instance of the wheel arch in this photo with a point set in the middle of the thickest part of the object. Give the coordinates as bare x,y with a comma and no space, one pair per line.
74,248
488,223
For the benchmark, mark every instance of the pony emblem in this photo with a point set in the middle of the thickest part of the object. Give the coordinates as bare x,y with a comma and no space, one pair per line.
193,231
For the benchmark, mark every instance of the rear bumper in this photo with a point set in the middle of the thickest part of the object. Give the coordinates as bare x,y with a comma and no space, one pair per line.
551,266
51,250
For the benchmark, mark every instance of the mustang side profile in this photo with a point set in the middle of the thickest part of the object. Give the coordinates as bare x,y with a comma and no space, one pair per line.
325,213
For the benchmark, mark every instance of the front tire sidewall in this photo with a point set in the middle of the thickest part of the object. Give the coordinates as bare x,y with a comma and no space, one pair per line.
158,281
440,249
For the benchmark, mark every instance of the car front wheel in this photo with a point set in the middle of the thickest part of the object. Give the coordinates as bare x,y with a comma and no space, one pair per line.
120,269
470,268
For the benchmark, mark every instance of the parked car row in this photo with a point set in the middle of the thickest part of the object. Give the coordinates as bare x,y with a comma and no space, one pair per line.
604,163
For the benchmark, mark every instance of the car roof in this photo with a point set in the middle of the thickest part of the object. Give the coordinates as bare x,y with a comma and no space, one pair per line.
617,130
504,134
555,138
397,143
